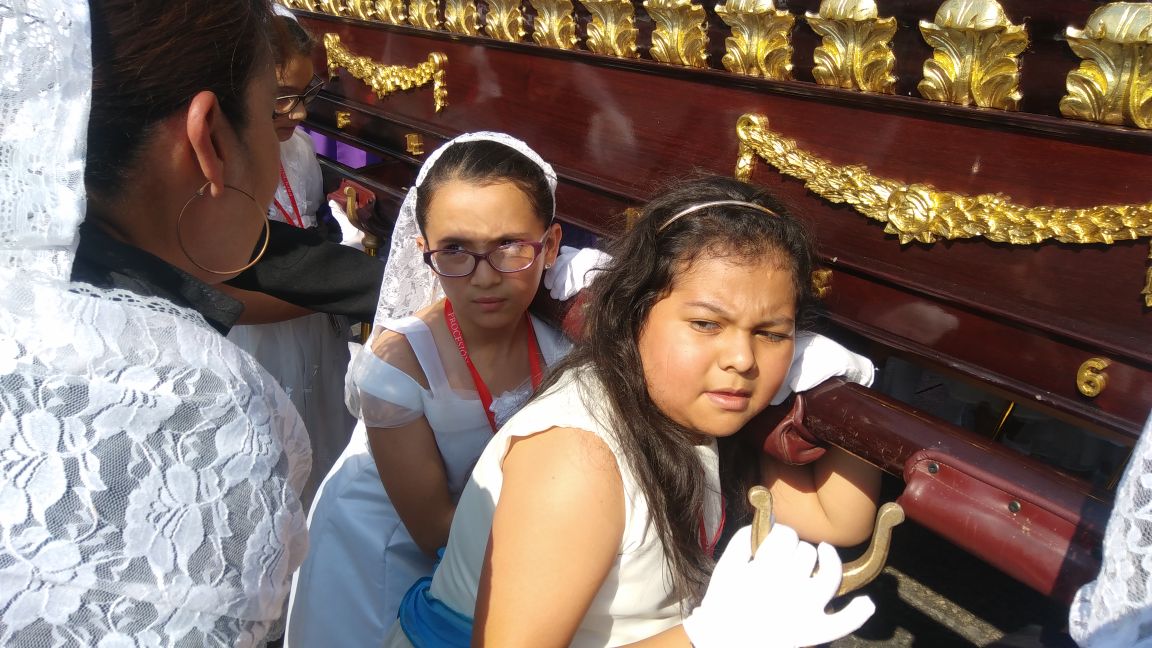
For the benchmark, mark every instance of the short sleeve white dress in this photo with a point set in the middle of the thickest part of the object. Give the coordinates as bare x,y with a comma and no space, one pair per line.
361,559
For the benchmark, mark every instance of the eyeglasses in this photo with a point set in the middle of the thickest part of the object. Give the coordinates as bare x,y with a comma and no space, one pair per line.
286,104
507,258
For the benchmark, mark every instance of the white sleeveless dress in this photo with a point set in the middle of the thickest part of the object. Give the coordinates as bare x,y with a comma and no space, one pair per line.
361,560
635,601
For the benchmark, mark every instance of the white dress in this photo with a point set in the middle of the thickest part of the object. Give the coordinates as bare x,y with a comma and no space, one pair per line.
361,559
308,355
635,601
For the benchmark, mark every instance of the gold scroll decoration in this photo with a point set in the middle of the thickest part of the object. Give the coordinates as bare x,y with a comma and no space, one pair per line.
976,55
1113,84
461,17
391,11
856,53
920,212
332,7
555,26
504,21
612,29
362,9
422,13
760,44
388,79
680,36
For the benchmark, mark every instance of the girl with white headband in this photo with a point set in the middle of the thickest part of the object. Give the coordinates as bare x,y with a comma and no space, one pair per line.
453,353
592,516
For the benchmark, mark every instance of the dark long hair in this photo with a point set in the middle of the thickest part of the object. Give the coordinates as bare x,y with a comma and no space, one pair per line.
660,452
486,162
290,40
150,57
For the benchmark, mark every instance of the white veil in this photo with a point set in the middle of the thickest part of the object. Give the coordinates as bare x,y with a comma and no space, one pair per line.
408,284
148,468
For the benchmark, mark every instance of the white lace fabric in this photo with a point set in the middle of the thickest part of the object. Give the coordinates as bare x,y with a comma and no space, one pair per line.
1115,610
149,470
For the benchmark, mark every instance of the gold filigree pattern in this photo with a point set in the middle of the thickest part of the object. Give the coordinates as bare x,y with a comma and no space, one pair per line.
680,36
976,55
362,9
920,212
1113,85
504,21
760,44
554,25
388,79
612,30
461,17
856,51
391,11
332,7
422,13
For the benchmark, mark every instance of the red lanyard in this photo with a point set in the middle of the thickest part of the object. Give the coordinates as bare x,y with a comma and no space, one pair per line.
481,388
299,222
709,546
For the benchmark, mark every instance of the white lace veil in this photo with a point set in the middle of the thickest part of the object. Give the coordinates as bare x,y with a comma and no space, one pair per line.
148,468
408,284
1115,610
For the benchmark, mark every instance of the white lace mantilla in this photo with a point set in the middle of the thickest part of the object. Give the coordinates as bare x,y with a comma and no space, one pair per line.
149,473
1115,610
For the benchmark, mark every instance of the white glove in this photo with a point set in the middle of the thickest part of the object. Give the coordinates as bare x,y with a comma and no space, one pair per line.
574,269
817,359
349,234
774,600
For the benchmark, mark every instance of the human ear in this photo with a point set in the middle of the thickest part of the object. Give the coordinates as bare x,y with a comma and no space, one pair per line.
421,244
556,233
204,119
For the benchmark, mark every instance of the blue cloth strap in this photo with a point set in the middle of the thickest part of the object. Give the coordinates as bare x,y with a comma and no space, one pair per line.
429,623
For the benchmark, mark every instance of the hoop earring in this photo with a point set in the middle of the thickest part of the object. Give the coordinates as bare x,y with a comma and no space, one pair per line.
259,255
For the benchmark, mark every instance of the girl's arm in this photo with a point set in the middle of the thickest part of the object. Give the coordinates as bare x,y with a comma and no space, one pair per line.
831,500
556,532
409,462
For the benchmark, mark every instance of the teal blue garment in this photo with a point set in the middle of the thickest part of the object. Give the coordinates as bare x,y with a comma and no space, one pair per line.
429,623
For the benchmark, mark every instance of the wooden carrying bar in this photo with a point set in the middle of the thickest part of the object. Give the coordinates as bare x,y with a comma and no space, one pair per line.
988,216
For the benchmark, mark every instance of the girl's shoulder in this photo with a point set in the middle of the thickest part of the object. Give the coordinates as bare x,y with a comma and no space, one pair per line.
401,344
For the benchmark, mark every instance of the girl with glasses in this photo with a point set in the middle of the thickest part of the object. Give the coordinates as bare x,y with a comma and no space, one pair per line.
438,377
306,351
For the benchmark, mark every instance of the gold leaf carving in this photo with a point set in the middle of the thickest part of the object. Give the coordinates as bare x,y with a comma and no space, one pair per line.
388,79
332,7
461,17
554,25
761,43
1113,85
422,13
920,212
391,11
612,30
362,9
856,53
976,55
680,36
504,20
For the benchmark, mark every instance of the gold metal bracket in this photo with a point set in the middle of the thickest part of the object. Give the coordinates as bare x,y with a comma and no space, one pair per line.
388,79
1113,85
343,118
857,573
555,25
1090,377
856,53
920,212
414,144
612,30
761,42
681,33
976,55
822,282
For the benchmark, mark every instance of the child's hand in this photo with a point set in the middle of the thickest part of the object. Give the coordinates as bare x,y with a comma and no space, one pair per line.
817,359
774,600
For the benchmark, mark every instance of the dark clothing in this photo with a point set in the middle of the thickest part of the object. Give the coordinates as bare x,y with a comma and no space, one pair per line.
105,262
302,267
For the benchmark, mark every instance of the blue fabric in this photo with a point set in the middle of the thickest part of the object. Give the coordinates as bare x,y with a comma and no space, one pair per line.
429,623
